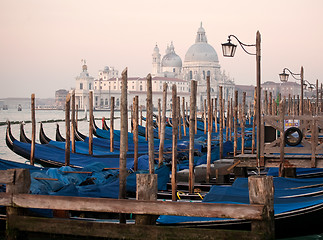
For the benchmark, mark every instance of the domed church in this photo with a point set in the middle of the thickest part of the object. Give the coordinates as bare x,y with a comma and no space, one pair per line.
201,60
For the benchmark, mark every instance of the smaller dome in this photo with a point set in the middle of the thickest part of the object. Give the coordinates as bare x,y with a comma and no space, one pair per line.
171,60
106,68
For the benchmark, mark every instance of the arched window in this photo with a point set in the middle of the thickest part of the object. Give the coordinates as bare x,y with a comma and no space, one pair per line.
191,75
208,73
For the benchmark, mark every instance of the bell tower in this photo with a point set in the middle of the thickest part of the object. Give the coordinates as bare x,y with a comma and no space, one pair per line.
156,61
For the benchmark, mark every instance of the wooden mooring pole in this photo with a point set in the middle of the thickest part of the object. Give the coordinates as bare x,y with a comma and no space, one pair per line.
191,135
135,132
112,124
67,129
184,117
91,123
123,140
163,126
235,127
221,123
73,122
33,130
147,183
174,144
209,135
149,118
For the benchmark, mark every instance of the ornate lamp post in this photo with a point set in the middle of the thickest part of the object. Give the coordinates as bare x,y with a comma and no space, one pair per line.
229,51
284,78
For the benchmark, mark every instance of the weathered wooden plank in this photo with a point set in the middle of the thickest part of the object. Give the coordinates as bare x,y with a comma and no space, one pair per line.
125,231
7,176
240,211
5,199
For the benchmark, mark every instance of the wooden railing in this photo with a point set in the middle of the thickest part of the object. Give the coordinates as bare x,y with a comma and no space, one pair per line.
16,199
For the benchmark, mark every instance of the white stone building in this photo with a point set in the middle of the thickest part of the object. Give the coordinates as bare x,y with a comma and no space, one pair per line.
201,60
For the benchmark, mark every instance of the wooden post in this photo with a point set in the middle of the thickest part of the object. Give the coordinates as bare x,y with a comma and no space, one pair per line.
204,114
212,105
112,125
266,103
231,119
253,143
191,135
140,115
229,116
270,103
159,118
131,115
33,130
216,114
91,123
67,128
261,191
163,126
73,122
123,140
223,112
149,119
221,123
147,187
235,116
243,121
174,150
209,135
184,117
178,107
195,120
76,116
282,137
314,142
20,185
135,133
317,98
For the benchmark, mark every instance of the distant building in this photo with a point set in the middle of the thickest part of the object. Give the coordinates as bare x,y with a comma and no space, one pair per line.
60,98
201,60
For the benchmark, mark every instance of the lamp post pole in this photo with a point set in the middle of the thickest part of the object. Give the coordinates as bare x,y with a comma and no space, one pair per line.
258,117
229,51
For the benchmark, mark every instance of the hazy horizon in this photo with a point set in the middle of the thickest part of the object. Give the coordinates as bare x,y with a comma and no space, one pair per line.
43,42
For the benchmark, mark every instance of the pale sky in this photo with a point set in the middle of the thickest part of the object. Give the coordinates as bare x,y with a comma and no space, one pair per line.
42,42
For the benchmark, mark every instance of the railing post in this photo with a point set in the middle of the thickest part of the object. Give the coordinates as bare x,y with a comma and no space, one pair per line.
20,184
147,187
261,191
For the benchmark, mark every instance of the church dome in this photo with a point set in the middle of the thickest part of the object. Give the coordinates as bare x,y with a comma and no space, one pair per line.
171,59
201,51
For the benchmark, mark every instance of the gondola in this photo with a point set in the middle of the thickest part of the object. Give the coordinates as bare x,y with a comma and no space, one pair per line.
298,207
82,147
59,137
51,156
23,137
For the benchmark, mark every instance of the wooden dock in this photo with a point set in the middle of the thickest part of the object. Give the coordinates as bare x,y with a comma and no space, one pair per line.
16,199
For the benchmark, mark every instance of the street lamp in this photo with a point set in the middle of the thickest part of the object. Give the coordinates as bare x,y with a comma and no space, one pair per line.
229,51
284,78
